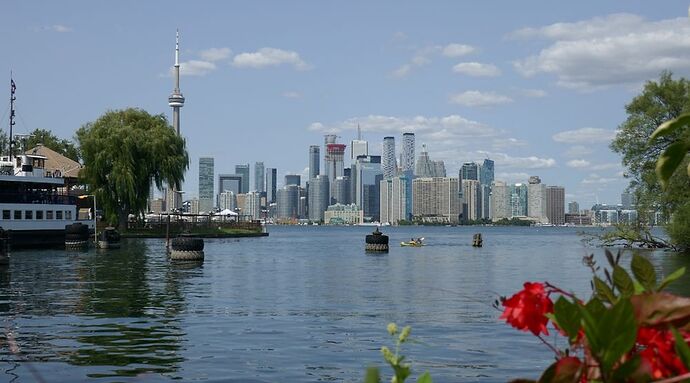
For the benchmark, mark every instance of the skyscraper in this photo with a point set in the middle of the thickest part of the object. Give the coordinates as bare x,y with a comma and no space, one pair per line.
314,154
243,170
259,177
334,165
436,199
318,197
471,190
470,171
389,166
175,101
518,200
205,184
486,172
292,179
500,201
271,179
408,158
229,183
555,204
358,147
573,207
341,191
536,199
364,172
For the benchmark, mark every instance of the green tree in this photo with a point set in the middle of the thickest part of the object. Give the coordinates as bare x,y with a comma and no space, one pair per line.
123,151
49,140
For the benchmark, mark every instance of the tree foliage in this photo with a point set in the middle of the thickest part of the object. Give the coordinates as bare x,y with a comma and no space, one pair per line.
49,140
123,151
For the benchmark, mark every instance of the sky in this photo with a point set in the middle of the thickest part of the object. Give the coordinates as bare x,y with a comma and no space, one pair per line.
540,87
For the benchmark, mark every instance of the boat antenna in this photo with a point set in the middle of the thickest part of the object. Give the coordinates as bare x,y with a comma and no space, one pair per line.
13,89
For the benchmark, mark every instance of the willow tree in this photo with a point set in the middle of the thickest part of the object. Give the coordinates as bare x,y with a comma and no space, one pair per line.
123,151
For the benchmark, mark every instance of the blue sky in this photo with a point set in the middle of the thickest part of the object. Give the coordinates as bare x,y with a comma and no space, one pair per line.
538,86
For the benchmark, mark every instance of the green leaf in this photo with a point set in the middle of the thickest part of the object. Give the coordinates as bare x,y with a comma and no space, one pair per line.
644,272
670,126
669,161
372,375
567,317
629,371
670,278
593,310
425,378
603,291
623,282
618,331
682,348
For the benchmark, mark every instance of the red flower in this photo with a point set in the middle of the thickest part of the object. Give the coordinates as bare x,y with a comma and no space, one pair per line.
658,353
525,310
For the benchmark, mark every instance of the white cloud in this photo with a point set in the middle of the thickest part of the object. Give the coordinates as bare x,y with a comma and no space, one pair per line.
534,93
585,136
476,69
613,50
266,57
292,94
457,50
59,28
403,71
578,151
195,68
476,98
578,163
512,178
215,54
530,162
594,179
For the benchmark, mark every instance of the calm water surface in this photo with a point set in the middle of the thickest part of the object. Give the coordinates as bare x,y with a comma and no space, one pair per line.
305,304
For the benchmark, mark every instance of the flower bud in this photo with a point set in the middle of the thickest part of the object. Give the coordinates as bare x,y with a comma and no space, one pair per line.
392,328
404,334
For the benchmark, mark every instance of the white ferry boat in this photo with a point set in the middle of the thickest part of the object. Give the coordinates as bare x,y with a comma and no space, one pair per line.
34,204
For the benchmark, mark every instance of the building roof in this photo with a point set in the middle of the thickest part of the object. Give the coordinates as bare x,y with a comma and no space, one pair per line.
55,161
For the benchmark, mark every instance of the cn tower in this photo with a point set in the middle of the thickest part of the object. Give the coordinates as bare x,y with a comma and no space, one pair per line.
176,99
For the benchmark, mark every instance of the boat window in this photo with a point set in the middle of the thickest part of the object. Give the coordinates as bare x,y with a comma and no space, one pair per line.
68,214
49,214
17,214
28,214
58,214
39,214
6,214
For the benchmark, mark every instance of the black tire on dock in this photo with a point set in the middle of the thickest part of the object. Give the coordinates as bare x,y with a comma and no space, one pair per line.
76,236
77,228
187,244
377,239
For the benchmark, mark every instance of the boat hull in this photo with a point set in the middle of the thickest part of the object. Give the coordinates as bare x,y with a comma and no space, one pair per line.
23,239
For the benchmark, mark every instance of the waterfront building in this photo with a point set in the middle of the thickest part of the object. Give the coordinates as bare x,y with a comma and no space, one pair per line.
243,171
371,201
573,207
229,182
389,166
518,200
293,179
318,197
485,197
555,204
470,171
436,199
335,166
439,168
424,166
408,159
500,201
486,172
340,214
578,219
341,191
394,199
536,199
271,179
288,205
259,177
173,199
365,177
471,191
227,200
314,158
327,139
205,184
252,205
157,205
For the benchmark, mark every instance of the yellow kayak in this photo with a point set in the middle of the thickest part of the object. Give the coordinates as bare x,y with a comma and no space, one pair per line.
413,243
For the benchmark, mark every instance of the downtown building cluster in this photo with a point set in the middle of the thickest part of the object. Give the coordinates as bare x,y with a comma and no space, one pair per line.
350,185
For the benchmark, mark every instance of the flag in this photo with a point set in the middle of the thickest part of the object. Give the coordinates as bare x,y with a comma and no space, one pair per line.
14,87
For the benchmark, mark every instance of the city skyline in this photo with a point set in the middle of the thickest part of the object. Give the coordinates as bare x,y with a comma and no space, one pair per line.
539,88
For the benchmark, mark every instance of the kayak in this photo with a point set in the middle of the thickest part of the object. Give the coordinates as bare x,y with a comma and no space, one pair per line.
412,243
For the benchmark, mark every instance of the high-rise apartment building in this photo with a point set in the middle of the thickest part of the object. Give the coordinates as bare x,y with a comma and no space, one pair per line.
518,200
389,166
573,207
393,200
243,170
288,202
229,182
252,205
205,184
470,171
293,179
471,190
555,204
364,172
227,200
318,197
341,191
536,199
486,172
335,164
259,177
436,199
314,158
408,158
424,166
500,201
358,148
271,179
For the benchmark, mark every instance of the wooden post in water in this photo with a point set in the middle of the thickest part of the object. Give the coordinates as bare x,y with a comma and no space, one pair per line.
477,240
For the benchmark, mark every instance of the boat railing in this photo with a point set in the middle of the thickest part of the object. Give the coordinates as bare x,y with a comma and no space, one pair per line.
37,197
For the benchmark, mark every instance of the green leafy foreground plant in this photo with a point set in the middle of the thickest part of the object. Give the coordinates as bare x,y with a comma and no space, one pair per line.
401,370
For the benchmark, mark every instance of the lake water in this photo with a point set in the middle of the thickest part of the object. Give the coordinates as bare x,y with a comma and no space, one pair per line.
305,304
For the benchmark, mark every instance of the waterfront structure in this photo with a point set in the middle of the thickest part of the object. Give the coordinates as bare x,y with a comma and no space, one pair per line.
536,199
293,179
371,204
394,199
259,177
288,199
500,201
555,204
365,177
573,208
518,200
436,199
205,184
408,159
471,191
341,191
314,158
271,179
470,171
252,205
243,170
318,197
389,166
340,214
175,101
578,219
227,200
